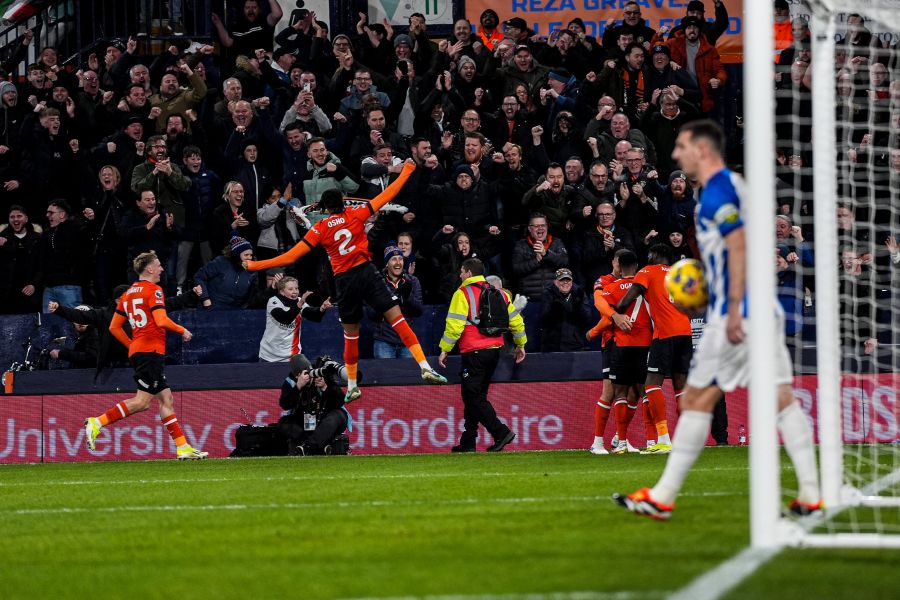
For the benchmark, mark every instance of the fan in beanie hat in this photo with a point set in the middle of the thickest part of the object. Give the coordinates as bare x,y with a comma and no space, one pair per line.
463,61
239,244
391,251
7,86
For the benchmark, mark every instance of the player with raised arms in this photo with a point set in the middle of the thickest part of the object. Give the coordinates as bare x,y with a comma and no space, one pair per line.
671,350
721,362
343,236
144,307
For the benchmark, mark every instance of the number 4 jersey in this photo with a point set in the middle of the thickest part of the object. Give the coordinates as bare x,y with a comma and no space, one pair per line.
137,305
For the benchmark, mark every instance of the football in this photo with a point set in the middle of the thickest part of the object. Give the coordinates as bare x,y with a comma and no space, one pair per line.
686,284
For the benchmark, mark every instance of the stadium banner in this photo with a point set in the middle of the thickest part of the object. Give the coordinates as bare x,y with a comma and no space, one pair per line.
391,419
546,16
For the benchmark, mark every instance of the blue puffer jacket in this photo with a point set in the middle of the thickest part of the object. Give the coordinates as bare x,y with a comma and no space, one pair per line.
228,285
204,194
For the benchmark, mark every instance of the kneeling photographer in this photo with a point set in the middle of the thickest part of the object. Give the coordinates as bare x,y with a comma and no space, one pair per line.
317,418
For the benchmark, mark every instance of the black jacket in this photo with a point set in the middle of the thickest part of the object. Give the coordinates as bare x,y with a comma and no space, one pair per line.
309,399
564,319
84,354
62,255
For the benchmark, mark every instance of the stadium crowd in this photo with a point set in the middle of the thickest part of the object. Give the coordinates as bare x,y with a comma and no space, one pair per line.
533,154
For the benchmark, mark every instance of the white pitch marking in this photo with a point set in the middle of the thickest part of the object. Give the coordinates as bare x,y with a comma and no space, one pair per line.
715,583
323,505
537,473
577,595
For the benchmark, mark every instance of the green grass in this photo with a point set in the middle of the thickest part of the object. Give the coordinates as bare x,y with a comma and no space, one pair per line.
350,527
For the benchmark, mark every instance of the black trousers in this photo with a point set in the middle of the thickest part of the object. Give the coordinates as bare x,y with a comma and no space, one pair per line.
719,427
331,424
477,369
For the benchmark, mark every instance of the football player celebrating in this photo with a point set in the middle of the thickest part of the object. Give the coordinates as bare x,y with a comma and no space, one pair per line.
633,333
721,362
671,350
144,306
356,278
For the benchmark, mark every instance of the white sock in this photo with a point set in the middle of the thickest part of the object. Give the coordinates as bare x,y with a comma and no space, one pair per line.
664,439
424,365
798,441
351,383
598,441
693,429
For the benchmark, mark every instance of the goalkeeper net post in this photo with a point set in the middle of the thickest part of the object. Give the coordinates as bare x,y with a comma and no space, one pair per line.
853,392
828,362
759,215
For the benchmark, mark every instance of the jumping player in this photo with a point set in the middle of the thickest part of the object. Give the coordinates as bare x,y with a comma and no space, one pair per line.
633,333
671,350
721,362
343,236
144,306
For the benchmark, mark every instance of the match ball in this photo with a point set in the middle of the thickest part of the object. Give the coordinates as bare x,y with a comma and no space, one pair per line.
686,284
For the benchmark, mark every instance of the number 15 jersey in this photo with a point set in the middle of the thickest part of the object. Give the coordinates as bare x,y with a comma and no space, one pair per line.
137,305
344,237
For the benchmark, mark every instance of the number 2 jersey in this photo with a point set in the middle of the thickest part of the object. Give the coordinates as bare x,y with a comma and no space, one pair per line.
344,237
138,304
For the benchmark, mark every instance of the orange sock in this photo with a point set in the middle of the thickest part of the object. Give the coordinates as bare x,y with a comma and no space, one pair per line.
658,409
623,417
171,423
649,427
601,417
409,339
351,357
119,411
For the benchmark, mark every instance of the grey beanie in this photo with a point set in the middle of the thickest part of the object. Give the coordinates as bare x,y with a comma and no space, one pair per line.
464,60
7,86
299,363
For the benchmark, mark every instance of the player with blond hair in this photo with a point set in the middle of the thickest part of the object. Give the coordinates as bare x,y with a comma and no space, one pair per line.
144,307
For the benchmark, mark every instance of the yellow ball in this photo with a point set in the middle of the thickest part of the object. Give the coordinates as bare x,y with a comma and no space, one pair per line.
686,284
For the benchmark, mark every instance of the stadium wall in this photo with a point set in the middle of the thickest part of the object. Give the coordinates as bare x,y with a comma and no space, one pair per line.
392,419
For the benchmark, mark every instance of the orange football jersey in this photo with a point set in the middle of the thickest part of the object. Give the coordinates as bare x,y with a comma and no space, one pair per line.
344,237
137,305
668,321
641,333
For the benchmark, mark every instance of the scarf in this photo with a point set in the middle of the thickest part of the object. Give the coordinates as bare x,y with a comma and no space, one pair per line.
546,243
634,86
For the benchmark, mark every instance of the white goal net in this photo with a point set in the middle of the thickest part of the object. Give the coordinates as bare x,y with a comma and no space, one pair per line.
837,171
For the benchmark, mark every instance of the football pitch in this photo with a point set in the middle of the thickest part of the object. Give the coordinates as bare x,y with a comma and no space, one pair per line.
529,525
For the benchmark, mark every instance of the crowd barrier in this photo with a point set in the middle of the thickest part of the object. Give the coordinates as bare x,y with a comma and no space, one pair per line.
233,336
548,401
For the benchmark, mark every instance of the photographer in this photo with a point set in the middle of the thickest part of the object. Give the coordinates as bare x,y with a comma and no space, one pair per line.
315,401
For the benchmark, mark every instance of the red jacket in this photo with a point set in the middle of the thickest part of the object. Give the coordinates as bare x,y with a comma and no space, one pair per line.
708,65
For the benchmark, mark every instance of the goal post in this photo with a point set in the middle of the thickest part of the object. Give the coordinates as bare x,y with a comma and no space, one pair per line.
837,128
760,217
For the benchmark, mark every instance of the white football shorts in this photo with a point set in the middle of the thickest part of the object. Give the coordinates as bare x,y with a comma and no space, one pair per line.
719,362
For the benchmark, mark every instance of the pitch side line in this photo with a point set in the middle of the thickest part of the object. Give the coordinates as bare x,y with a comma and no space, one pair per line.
321,505
585,595
713,584
336,477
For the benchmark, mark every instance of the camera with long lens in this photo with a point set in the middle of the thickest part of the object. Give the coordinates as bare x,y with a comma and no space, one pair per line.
325,367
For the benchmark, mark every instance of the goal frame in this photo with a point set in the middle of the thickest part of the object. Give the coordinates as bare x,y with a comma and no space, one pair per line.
768,529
